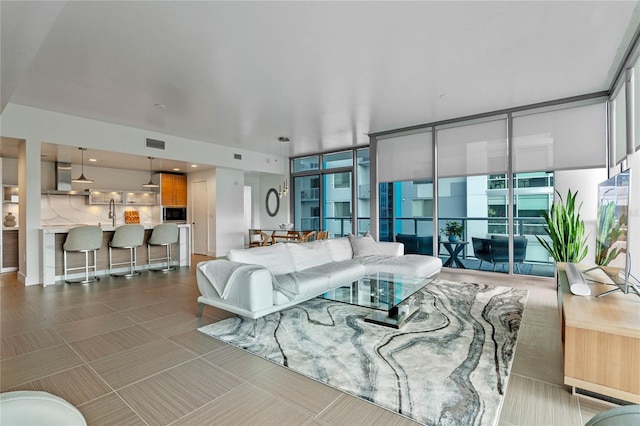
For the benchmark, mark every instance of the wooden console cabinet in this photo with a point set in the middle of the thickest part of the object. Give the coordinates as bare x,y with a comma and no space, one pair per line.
601,340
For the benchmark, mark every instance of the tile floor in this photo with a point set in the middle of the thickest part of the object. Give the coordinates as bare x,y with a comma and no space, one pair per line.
126,352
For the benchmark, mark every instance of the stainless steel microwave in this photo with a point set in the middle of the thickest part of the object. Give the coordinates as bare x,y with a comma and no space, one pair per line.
174,214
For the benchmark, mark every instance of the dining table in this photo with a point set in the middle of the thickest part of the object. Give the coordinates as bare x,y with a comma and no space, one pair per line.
283,235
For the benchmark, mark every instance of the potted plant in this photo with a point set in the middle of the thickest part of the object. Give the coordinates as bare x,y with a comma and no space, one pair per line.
566,230
609,231
453,230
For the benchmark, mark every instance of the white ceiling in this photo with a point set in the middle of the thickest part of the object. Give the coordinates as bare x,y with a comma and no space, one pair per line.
325,74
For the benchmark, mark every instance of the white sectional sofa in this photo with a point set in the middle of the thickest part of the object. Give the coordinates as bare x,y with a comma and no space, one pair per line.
258,281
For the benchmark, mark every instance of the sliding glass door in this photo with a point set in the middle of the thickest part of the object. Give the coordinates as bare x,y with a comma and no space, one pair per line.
337,204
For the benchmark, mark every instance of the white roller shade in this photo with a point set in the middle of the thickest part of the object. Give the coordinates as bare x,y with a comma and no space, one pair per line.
472,149
620,125
571,138
406,157
636,102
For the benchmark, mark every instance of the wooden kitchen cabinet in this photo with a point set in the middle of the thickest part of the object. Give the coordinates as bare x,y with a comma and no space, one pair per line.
9,250
173,190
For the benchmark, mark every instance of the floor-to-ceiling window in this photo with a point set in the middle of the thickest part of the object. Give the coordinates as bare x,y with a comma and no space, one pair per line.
324,192
306,193
405,190
488,176
568,137
472,189
363,191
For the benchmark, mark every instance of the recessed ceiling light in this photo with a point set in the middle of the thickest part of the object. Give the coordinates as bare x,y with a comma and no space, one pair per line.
194,165
284,139
175,169
160,105
93,160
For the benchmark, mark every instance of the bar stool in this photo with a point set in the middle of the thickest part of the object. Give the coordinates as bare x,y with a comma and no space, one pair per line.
126,237
82,239
166,235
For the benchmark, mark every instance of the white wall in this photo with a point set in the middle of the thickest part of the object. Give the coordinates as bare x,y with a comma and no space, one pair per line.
586,183
260,185
229,211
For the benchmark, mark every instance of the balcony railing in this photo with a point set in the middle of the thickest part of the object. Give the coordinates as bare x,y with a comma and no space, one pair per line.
537,259
310,194
482,227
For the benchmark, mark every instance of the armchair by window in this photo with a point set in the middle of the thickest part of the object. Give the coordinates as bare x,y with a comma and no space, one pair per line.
416,245
496,250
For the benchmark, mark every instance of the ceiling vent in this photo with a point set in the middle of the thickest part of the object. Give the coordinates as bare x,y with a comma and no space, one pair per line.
155,143
237,156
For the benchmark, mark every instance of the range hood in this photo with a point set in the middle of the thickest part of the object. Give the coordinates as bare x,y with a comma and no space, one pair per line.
63,181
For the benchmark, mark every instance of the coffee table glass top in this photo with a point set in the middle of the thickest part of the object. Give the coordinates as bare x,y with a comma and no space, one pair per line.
382,291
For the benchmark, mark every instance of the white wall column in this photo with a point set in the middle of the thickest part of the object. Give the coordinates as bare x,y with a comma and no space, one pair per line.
229,210
29,247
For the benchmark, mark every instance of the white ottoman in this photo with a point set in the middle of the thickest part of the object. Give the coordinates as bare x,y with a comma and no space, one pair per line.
30,408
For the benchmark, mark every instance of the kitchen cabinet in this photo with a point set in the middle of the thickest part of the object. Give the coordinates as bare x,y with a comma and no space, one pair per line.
173,189
140,198
9,250
104,196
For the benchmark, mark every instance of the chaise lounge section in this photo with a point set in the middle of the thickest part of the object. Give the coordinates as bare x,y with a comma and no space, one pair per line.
259,281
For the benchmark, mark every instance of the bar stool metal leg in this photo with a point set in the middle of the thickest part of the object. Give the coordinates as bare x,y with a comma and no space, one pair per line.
133,261
126,237
164,234
82,239
166,259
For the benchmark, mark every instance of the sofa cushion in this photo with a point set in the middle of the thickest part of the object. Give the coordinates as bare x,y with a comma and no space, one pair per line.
411,264
306,284
340,273
340,249
276,258
308,255
364,246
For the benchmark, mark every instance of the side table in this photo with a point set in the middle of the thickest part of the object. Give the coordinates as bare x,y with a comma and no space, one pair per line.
454,250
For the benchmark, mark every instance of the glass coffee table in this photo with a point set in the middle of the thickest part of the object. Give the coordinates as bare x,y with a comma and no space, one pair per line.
388,294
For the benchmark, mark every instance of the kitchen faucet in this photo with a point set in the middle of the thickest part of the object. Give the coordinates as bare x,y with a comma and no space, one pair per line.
112,211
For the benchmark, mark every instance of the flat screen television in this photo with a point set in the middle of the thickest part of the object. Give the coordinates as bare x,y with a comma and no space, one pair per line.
612,232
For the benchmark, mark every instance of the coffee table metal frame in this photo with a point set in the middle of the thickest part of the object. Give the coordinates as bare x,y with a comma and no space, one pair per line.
387,293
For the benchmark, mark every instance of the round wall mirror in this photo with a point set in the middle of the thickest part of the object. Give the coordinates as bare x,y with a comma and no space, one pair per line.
273,202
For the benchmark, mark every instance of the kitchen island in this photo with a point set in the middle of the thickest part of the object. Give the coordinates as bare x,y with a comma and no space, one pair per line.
53,237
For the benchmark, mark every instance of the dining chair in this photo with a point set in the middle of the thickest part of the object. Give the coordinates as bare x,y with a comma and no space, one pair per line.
308,236
322,235
293,236
258,238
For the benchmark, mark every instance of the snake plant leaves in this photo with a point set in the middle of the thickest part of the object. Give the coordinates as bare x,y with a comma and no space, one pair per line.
565,229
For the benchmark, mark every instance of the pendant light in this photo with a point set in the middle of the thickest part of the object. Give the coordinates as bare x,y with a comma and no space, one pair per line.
82,179
150,184
283,190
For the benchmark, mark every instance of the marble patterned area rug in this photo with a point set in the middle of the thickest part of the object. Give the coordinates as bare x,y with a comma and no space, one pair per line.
449,364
